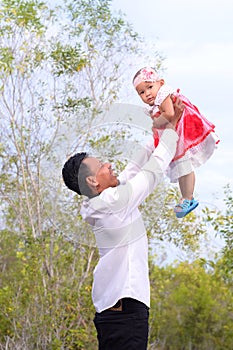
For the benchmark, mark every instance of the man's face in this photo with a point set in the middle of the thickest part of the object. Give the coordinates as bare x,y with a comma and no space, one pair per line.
102,174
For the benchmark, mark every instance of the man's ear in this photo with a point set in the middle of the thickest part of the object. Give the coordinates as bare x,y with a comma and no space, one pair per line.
91,181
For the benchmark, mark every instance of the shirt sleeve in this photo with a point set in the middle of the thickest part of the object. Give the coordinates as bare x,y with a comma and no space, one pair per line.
164,152
140,155
125,198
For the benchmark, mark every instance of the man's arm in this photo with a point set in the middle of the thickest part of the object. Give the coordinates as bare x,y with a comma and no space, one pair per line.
140,155
130,195
124,199
162,155
172,110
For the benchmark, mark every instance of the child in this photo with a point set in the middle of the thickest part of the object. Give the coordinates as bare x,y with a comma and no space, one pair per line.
197,139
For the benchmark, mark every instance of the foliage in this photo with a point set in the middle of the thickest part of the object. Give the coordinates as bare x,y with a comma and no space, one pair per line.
191,309
48,80
164,226
223,226
45,304
59,68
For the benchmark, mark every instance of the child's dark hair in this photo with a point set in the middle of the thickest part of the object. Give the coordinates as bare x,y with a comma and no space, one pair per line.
137,74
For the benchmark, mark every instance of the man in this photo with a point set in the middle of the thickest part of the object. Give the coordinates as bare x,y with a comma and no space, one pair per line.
121,289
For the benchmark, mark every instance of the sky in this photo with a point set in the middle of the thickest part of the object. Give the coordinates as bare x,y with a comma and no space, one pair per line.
196,39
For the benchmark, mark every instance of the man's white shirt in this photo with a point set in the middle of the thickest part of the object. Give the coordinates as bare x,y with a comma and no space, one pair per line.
122,270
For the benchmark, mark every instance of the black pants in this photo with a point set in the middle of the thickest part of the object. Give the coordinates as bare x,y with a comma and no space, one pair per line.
123,330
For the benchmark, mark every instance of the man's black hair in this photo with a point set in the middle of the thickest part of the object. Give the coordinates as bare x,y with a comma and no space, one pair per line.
74,174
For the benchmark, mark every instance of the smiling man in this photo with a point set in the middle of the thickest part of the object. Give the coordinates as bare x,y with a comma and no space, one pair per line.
121,288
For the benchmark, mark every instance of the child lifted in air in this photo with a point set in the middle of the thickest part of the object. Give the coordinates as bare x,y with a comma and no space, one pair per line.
197,139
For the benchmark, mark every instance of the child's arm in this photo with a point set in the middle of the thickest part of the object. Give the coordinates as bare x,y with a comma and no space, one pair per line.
166,114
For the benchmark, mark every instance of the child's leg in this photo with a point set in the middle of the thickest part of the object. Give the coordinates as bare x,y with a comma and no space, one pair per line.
183,171
187,203
187,183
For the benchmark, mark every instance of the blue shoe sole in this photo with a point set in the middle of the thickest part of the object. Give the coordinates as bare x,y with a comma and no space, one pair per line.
181,214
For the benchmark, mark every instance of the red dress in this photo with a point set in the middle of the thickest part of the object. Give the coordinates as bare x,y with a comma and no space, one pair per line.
197,139
192,128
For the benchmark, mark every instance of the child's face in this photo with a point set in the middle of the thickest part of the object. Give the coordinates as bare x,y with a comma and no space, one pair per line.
148,91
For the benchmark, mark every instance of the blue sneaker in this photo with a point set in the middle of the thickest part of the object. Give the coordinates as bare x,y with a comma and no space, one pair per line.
186,207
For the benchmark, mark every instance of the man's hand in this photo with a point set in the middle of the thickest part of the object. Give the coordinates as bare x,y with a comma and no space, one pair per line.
161,122
178,109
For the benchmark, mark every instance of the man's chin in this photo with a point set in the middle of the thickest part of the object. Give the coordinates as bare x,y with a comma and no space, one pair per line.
115,182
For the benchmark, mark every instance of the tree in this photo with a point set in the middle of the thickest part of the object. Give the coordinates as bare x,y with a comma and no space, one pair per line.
222,223
54,77
57,77
190,309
